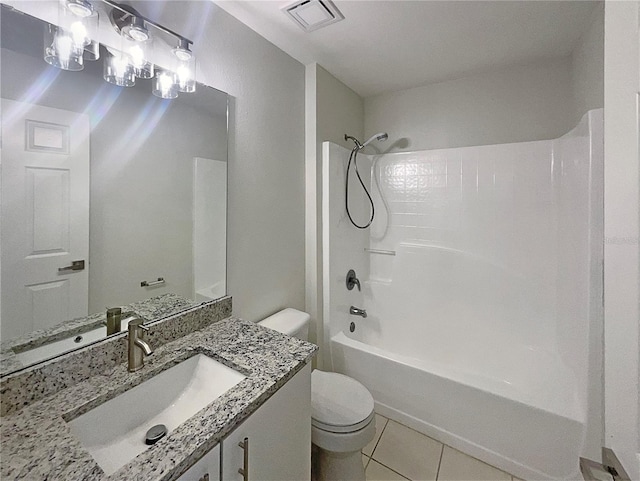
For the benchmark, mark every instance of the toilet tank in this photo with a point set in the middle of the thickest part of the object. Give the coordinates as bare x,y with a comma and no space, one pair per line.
289,321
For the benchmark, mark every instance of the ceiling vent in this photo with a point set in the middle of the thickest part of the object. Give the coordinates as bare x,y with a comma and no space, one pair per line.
311,15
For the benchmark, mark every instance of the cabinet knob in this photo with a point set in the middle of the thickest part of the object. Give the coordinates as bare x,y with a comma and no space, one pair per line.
244,470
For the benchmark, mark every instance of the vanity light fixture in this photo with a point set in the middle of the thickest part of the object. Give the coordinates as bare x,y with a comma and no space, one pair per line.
135,29
117,69
65,44
73,40
61,51
185,67
182,50
165,85
80,8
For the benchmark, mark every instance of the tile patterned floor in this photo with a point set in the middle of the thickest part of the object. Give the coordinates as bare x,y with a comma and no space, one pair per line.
398,453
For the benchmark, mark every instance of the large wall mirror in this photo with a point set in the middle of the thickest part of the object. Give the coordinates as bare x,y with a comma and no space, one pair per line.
111,197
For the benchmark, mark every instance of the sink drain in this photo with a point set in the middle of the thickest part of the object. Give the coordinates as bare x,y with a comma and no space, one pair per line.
155,434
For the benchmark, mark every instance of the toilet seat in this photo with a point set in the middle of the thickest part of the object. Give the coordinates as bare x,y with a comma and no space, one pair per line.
339,404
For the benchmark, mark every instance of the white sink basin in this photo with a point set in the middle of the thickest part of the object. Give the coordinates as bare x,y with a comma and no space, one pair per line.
114,432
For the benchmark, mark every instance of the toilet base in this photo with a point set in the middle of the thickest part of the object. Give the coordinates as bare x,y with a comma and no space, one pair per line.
331,466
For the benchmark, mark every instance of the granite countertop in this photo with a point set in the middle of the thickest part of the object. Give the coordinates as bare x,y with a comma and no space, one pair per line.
148,309
37,443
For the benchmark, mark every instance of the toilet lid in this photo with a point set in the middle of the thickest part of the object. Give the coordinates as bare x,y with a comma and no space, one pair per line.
339,403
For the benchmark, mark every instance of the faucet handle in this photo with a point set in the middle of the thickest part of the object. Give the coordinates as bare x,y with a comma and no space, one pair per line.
352,280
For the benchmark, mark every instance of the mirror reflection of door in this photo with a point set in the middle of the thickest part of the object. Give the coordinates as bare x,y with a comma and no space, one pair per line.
45,217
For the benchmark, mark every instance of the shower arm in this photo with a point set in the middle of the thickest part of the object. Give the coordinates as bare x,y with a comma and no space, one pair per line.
359,146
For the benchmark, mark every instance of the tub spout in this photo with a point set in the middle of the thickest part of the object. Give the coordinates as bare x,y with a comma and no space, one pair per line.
357,312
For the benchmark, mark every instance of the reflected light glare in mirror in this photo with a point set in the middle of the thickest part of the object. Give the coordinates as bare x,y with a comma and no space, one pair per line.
130,145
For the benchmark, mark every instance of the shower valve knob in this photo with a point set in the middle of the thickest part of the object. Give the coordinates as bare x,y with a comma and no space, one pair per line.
352,280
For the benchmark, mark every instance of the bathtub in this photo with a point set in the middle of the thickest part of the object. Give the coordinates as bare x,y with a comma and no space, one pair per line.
521,414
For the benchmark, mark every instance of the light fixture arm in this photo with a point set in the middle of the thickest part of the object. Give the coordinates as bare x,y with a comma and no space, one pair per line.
121,15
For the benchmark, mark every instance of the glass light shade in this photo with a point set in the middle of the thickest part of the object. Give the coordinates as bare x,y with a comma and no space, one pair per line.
80,19
118,70
60,49
164,85
186,74
92,51
138,53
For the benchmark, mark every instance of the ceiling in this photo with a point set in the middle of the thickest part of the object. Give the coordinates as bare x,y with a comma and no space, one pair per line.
384,46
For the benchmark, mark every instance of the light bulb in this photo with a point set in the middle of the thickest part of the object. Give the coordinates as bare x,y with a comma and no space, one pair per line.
164,85
79,34
64,46
137,56
118,70
60,50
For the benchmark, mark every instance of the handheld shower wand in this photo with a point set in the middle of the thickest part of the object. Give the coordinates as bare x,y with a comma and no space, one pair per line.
380,136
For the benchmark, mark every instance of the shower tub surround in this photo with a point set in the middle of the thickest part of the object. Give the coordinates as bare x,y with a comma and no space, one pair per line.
37,442
482,311
29,385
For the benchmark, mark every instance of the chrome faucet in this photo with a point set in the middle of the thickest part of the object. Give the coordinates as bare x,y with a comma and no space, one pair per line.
357,312
137,347
114,318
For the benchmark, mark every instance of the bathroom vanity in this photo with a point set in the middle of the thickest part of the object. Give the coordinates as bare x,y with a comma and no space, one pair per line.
274,438
259,427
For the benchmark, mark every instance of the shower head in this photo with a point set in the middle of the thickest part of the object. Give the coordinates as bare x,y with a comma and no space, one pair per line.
380,137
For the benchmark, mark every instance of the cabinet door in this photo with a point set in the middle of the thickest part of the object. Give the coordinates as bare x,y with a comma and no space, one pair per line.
209,465
278,435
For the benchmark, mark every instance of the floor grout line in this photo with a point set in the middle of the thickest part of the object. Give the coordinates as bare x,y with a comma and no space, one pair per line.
440,461
380,438
443,445
390,469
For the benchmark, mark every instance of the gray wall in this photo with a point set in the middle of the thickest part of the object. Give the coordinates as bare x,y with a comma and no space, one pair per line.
265,258
587,67
512,104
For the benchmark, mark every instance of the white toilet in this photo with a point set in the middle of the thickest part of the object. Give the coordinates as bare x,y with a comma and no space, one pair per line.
342,418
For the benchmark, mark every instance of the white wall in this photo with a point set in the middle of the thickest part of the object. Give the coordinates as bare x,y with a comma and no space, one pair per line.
622,232
587,67
265,257
332,110
513,104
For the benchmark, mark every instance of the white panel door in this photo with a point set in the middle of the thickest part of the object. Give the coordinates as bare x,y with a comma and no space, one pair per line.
45,216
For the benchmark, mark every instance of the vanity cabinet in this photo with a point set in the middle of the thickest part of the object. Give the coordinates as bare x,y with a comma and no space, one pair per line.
206,469
278,436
